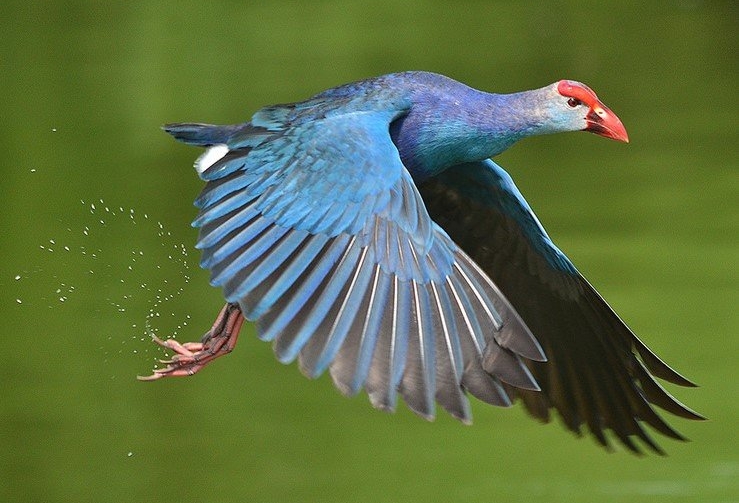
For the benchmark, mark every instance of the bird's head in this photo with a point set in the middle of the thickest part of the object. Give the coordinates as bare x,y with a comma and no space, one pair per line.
577,108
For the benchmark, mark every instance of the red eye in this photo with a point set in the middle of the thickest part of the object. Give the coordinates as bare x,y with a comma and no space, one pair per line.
574,102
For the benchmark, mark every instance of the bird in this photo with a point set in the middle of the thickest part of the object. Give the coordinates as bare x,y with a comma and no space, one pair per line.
368,231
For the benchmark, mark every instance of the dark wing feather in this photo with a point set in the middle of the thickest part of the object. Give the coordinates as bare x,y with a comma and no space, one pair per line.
597,373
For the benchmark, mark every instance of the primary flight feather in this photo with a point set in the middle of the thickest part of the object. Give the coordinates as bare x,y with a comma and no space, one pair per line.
367,231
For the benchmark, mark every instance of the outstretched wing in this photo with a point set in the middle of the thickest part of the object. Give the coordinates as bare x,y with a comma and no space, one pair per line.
317,230
598,373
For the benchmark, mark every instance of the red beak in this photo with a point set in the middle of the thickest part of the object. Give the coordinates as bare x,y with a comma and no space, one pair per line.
601,121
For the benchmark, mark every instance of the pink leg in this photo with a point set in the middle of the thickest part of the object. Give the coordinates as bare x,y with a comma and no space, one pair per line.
190,357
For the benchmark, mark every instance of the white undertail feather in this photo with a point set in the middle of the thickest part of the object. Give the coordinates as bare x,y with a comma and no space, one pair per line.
211,156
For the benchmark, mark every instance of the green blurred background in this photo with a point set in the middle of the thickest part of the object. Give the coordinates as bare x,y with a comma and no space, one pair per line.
97,250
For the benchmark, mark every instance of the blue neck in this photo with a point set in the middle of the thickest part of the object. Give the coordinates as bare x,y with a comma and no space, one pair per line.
453,124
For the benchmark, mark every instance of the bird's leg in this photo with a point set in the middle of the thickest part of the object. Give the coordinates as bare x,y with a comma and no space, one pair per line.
190,357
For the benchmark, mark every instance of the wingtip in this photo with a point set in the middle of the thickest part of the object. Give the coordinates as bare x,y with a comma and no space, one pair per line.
428,416
695,416
467,421
658,367
508,367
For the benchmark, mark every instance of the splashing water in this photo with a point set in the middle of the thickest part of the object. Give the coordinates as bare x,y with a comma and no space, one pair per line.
111,259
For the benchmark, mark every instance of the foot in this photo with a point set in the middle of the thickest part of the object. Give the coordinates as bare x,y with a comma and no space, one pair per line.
190,357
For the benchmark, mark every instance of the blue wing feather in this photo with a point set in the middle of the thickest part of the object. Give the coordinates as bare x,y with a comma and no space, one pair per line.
298,298
248,279
449,366
314,226
289,275
311,323
330,296
224,248
418,385
222,207
218,228
377,302
215,191
346,315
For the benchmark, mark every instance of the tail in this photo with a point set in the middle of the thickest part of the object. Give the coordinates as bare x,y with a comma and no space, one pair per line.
200,134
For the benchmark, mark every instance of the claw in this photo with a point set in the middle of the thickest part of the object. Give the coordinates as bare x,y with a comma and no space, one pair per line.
152,377
191,357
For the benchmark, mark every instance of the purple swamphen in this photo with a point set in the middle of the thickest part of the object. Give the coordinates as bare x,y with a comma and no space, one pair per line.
366,231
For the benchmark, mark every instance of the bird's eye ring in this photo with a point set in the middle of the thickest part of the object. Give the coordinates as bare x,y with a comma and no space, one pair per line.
574,102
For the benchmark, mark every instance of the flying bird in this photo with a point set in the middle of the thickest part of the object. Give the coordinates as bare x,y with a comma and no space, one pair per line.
367,232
